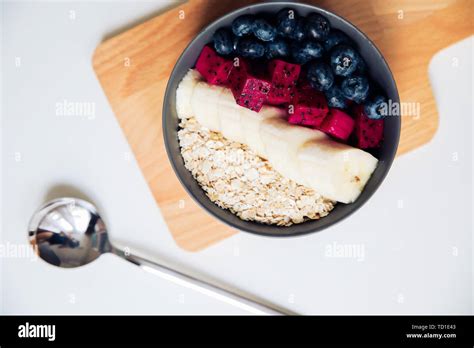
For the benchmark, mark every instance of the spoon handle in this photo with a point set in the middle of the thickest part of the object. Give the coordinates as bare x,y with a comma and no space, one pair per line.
205,288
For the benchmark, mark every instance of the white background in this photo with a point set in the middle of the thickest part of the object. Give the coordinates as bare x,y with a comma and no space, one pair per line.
416,232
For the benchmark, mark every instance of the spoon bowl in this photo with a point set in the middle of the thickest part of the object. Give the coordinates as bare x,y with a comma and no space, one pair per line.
68,232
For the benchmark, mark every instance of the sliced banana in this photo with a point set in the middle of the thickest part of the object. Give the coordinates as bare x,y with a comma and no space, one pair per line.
338,171
204,102
251,123
184,94
229,117
282,142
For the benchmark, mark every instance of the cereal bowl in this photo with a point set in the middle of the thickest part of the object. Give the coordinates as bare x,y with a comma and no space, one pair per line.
378,71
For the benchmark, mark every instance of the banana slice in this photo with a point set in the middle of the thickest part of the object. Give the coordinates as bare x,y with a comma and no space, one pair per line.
204,102
338,171
251,123
282,142
229,115
184,93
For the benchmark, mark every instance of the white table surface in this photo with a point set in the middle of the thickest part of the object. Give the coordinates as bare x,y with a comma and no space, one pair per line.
415,234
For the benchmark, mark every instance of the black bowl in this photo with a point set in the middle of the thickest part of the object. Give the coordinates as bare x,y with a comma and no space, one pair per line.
379,72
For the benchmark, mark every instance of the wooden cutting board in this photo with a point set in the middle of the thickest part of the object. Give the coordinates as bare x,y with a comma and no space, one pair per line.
133,69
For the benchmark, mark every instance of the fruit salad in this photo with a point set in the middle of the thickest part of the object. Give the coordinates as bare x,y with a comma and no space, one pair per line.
279,117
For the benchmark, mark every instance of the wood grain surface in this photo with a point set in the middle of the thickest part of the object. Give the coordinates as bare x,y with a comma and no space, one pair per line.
134,66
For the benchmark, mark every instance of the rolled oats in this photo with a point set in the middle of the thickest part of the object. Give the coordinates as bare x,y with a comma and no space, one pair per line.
237,179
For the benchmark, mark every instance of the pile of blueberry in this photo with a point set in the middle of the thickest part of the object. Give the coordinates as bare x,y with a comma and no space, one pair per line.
329,57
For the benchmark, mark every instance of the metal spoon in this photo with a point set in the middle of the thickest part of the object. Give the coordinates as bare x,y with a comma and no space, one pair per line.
69,232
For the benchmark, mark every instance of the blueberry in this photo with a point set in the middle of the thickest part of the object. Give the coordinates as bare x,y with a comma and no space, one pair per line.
223,41
317,26
355,88
277,48
320,76
243,25
263,30
344,60
235,42
313,49
336,37
298,33
336,98
306,51
286,22
250,48
361,67
376,108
